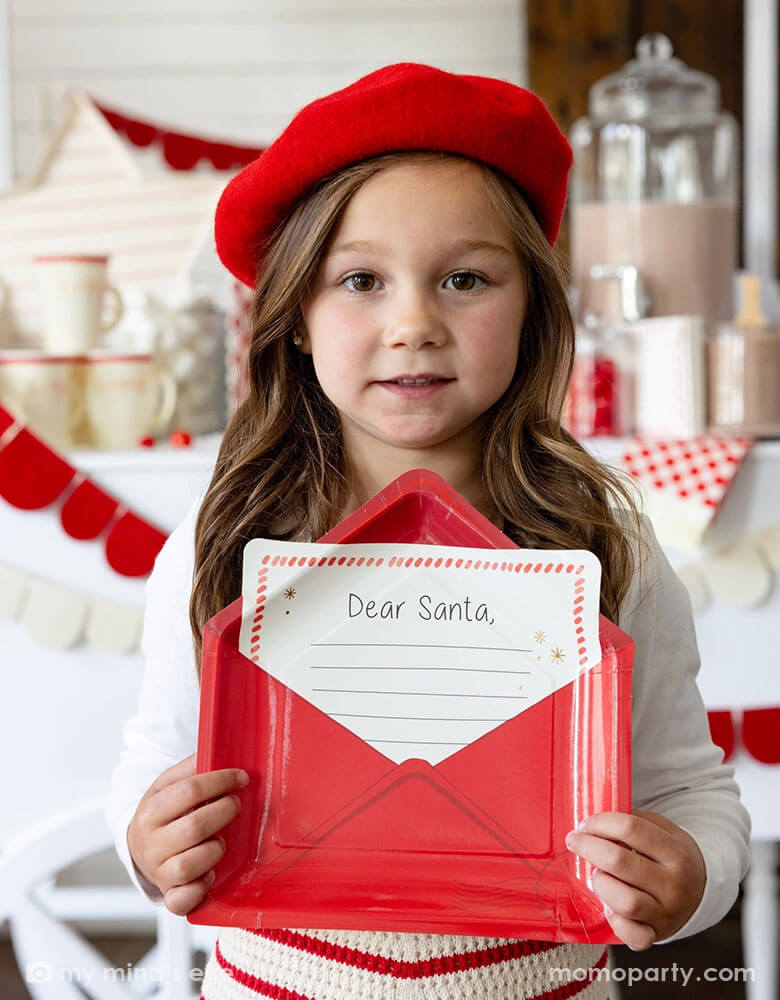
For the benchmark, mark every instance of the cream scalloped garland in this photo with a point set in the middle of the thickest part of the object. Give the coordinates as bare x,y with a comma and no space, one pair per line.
738,575
57,617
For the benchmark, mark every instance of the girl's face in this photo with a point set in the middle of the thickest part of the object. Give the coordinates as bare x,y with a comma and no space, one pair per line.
420,278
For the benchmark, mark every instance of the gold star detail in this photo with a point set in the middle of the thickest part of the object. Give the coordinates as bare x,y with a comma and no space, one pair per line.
558,655
540,636
290,593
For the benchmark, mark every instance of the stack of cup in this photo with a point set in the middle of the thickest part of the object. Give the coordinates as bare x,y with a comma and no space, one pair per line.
74,392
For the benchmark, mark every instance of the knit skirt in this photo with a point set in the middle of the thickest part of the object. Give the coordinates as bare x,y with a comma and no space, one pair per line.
384,965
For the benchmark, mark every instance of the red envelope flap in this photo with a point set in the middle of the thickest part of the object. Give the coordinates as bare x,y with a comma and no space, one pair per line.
321,759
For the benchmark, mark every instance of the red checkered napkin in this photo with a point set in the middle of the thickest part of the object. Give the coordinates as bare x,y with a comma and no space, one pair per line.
684,482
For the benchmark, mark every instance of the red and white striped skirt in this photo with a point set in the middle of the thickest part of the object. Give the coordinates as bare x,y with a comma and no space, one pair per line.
380,965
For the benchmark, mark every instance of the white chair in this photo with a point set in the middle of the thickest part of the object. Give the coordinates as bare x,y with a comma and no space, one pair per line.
53,957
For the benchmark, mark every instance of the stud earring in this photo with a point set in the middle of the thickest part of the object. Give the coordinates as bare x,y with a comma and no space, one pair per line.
298,339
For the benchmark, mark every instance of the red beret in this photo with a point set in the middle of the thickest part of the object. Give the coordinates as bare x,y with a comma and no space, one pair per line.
405,106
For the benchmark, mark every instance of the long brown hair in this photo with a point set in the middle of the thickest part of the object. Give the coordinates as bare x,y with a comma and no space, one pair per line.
280,472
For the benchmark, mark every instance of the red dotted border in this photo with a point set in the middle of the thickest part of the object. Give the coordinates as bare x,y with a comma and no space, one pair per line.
579,600
406,561
257,620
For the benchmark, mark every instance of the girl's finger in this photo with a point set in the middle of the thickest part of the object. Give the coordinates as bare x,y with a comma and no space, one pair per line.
180,770
636,830
198,825
637,936
179,798
636,904
607,856
183,898
190,865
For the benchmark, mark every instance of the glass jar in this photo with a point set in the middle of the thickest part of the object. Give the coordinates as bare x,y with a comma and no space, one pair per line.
655,185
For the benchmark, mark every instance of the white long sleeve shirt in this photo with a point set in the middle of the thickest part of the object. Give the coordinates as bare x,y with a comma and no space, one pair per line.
676,769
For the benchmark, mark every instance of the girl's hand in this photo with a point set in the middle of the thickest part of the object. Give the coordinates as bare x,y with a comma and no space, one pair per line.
650,875
171,836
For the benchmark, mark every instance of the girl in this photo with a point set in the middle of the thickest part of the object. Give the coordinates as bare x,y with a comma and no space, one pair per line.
410,312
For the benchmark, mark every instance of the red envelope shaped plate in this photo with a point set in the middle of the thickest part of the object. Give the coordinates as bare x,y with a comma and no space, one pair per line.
333,834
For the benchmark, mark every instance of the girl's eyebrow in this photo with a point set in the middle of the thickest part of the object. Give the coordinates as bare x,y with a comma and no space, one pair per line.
464,244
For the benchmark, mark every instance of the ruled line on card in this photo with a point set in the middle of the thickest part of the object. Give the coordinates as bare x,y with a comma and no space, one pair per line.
424,645
423,694
427,743
408,718
385,666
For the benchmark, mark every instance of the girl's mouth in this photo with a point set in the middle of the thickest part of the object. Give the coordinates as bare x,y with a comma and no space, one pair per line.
417,389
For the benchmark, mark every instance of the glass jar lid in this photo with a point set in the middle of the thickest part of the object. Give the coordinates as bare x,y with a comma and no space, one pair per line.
654,85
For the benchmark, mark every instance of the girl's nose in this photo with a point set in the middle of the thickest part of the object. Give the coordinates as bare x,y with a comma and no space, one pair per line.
415,323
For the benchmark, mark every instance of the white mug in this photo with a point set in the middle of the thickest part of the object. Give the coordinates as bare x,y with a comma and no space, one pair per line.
127,398
44,392
74,290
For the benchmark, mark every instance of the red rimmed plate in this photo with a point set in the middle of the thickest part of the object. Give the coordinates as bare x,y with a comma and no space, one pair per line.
334,834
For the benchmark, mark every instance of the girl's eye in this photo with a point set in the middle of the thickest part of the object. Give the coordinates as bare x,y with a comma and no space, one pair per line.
360,276
363,277
469,275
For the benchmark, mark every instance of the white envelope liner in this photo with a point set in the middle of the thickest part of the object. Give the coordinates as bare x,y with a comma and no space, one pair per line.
438,671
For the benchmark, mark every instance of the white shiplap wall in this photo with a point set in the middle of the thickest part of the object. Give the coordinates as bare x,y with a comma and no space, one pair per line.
237,69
